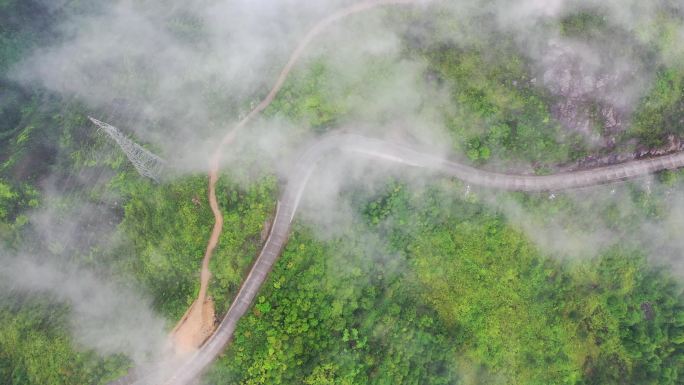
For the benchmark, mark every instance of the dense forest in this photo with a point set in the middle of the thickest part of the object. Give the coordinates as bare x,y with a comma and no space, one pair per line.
430,283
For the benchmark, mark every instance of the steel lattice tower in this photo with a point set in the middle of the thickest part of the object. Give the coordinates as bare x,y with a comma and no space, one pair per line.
147,163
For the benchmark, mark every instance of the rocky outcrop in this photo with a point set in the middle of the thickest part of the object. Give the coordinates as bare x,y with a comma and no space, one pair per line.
584,97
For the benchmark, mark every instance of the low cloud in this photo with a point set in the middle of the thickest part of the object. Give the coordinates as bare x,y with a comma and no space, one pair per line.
180,74
106,316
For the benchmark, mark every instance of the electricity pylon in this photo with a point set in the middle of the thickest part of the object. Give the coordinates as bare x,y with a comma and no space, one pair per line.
147,163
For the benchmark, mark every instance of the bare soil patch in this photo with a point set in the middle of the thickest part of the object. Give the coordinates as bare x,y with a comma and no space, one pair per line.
195,327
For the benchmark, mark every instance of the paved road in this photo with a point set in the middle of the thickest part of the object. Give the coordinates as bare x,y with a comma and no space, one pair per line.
229,137
184,373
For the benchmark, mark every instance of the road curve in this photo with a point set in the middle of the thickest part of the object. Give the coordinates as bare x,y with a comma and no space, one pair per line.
288,203
229,137
287,206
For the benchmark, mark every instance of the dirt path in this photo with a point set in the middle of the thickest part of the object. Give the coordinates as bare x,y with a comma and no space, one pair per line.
384,151
185,371
196,326
191,325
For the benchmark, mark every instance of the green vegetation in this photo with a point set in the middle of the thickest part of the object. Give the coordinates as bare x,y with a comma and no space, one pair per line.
496,110
461,298
428,286
662,111
329,314
584,24
632,320
36,347
166,227
306,99
20,29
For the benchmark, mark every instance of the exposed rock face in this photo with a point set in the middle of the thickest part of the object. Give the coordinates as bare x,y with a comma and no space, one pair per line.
595,87
648,311
595,100
585,94
673,144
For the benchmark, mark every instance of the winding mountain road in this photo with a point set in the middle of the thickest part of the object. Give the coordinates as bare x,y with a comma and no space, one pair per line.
229,137
288,203
183,372
195,310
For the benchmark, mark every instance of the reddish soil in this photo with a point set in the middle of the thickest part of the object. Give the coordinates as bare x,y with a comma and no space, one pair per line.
194,328
190,329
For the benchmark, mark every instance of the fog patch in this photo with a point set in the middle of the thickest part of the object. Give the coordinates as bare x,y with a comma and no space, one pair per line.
106,316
